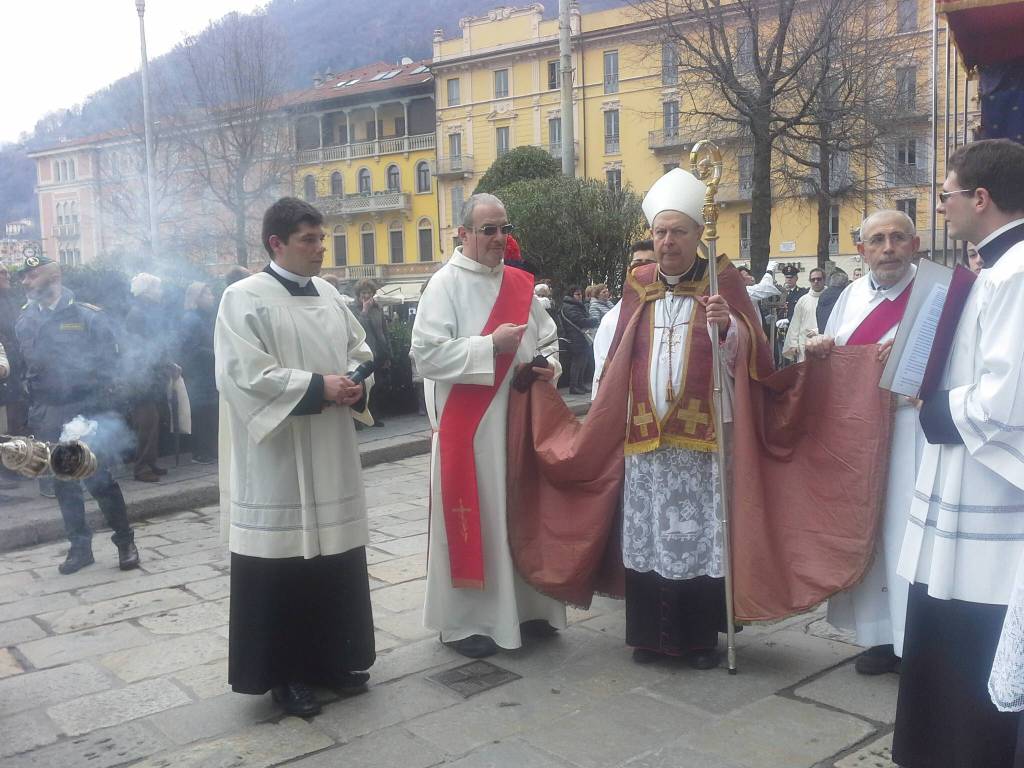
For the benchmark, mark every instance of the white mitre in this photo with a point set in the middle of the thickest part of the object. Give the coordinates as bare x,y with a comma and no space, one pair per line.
677,190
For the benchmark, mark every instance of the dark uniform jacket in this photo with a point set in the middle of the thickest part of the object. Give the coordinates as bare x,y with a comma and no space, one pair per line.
69,352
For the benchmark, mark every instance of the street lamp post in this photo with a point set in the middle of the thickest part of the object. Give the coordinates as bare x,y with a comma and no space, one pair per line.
140,6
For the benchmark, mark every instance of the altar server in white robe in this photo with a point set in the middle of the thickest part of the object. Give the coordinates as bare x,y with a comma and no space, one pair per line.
965,533
869,312
803,324
478,612
291,483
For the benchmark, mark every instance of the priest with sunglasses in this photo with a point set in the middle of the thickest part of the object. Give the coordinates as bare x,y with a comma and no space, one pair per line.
477,322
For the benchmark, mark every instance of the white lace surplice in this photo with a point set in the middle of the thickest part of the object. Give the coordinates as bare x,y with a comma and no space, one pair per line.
1006,684
669,522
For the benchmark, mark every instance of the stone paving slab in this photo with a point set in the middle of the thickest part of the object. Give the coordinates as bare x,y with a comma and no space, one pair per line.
50,686
387,749
214,717
205,681
100,749
779,733
877,754
173,578
8,664
511,752
120,705
165,656
117,609
871,697
19,631
256,747
29,730
608,733
191,618
74,646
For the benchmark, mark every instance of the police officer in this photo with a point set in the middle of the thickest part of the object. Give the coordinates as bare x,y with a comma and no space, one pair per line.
69,357
791,292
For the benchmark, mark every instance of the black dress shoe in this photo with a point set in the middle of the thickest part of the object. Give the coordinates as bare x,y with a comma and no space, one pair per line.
537,628
158,470
877,661
77,559
474,646
296,699
127,556
351,682
707,659
378,423
645,656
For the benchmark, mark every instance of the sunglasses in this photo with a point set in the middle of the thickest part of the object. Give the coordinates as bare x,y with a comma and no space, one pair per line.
944,196
491,230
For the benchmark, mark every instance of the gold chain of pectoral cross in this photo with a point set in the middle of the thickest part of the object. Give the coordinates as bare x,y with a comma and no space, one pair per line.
672,341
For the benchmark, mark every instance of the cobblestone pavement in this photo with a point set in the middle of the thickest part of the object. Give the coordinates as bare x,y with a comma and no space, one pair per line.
104,668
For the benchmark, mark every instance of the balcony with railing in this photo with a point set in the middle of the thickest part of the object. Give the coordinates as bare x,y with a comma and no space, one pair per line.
388,145
459,166
611,145
66,231
373,202
667,139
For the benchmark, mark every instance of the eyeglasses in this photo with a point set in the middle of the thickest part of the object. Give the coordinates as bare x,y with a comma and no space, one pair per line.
490,230
944,196
898,238
817,279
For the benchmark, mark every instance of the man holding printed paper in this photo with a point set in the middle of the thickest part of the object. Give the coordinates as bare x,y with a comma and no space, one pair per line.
965,533
869,312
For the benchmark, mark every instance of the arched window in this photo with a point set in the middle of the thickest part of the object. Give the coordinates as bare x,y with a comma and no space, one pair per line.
425,233
396,242
423,176
309,188
394,179
365,187
337,184
366,239
340,247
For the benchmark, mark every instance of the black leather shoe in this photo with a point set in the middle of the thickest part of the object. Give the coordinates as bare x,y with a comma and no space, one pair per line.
877,661
645,656
296,699
158,470
351,682
474,646
703,659
77,559
537,628
127,556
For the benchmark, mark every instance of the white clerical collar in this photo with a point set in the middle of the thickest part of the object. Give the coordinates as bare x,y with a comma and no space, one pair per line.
670,279
893,291
302,280
459,259
998,232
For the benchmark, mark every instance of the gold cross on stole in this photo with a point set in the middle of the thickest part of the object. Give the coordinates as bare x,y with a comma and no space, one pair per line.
462,510
691,416
642,418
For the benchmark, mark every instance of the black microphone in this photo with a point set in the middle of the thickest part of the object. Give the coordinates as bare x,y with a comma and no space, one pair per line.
359,374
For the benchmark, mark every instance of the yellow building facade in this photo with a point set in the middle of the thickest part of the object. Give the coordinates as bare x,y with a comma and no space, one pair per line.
498,88
364,156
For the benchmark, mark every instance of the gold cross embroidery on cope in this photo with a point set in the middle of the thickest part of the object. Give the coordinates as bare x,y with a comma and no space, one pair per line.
462,510
691,416
672,342
642,418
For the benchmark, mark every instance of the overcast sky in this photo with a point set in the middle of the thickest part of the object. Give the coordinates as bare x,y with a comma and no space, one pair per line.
57,52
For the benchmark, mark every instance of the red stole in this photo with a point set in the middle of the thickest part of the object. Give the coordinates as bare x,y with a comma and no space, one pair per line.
881,319
463,411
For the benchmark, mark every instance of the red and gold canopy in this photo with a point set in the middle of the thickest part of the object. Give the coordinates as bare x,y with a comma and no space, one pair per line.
985,31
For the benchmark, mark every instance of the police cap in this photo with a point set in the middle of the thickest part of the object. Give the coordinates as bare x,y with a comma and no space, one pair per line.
790,271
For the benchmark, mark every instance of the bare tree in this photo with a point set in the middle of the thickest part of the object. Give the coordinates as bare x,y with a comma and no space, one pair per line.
747,72
238,143
859,91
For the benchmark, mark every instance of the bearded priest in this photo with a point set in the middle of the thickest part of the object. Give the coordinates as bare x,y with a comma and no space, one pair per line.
671,537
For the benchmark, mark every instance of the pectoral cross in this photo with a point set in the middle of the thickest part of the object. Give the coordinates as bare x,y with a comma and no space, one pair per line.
642,418
691,416
672,342
462,510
